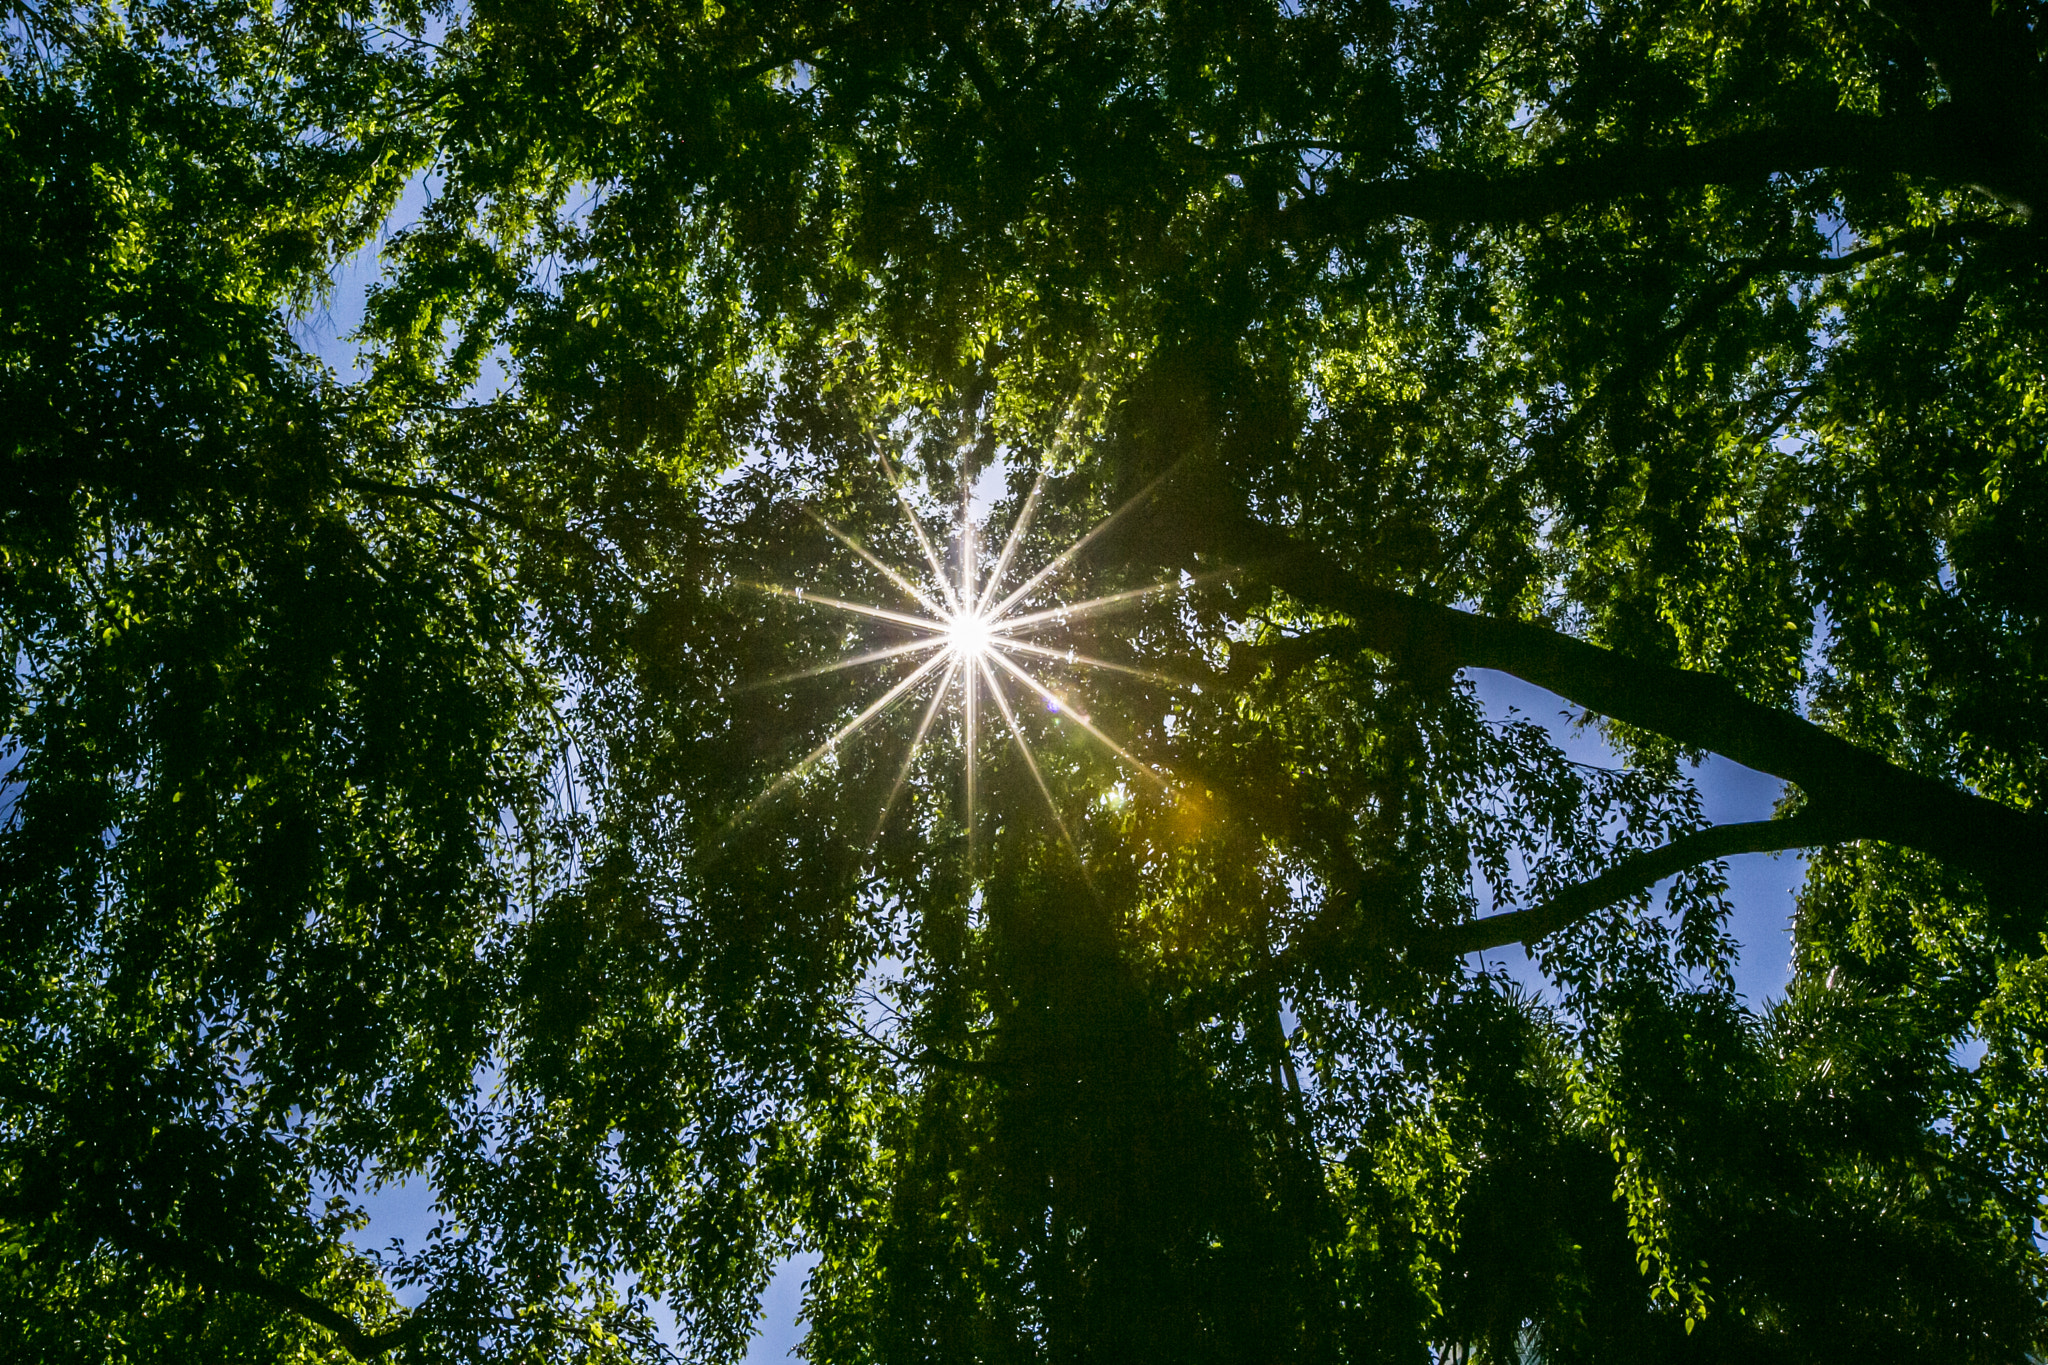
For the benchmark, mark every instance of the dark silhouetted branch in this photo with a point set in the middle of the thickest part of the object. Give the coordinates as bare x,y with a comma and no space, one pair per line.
1633,874
221,1277
1877,799
1945,144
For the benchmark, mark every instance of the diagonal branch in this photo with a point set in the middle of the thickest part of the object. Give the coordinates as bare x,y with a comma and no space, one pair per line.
1699,710
1631,875
224,1278
433,495
2006,848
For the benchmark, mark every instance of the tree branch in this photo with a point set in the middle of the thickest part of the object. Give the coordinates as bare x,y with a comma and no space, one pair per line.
224,1278
426,492
2006,848
961,49
1944,144
560,537
1702,711
1640,872
1940,234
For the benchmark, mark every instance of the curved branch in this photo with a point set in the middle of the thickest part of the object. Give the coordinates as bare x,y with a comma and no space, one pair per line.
434,495
224,1278
1945,144
1940,234
1631,875
426,492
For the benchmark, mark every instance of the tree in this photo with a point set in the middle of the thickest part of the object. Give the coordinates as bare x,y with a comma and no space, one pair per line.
411,781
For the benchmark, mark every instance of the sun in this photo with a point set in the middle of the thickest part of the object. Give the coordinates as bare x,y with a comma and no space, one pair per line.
980,642
969,636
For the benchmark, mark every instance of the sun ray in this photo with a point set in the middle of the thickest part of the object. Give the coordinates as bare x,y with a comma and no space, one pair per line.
872,656
1018,530
1069,611
916,523
1002,702
910,589
1076,657
967,727
923,623
1067,556
924,726
967,566
1042,690
840,736
971,640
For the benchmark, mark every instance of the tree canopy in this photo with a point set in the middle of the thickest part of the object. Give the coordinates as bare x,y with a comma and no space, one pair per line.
418,778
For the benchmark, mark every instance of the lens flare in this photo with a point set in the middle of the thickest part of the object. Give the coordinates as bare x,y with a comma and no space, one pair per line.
976,640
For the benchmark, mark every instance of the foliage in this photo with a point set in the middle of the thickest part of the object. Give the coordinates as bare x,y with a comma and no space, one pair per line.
414,781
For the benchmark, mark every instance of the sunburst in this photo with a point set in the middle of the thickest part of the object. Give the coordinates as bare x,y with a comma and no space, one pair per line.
979,641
